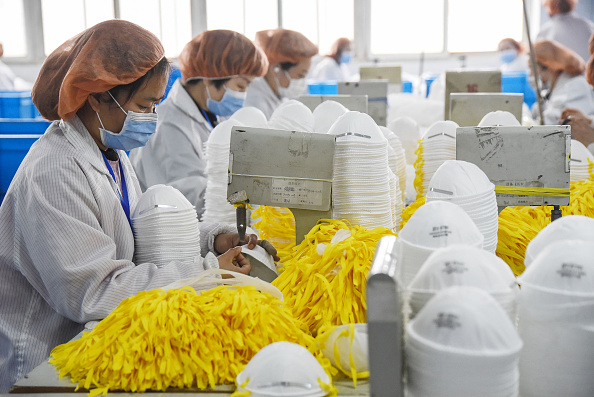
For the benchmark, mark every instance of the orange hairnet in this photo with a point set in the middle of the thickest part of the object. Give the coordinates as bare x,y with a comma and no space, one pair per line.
514,43
557,57
283,45
220,54
559,6
339,45
106,55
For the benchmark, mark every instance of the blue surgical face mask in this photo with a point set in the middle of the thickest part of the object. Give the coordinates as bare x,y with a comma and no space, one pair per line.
135,133
507,56
346,57
231,102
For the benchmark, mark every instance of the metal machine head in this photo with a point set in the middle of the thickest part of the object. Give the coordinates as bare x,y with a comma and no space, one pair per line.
528,165
281,168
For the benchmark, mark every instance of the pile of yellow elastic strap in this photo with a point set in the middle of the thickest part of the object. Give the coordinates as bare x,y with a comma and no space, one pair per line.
329,289
409,210
277,225
156,340
419,174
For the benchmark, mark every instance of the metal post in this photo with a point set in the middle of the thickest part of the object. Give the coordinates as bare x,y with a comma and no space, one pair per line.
533,62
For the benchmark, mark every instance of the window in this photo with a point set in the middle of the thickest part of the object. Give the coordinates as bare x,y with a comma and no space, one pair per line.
169,20
12,28
469,30
321,21
412,27
336,19
247,18
63,19
407,27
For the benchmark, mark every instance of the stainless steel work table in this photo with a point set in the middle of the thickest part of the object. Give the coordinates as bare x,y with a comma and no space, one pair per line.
44,380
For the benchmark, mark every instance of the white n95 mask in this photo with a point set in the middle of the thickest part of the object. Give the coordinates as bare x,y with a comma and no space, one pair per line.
296,87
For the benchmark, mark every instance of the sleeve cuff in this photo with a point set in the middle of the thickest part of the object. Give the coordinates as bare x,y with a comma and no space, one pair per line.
222,228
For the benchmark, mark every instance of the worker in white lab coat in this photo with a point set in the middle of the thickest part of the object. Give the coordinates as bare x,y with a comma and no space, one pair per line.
566,27
582,125
561,71
289,54
333,67
512,56
66,243
217,67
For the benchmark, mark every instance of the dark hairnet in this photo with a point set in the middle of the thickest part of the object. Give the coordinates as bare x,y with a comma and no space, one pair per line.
221,54
283,45
106,55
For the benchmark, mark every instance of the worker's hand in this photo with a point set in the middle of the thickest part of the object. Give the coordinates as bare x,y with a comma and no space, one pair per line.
270,249
225,241
570,113
234,261
581,130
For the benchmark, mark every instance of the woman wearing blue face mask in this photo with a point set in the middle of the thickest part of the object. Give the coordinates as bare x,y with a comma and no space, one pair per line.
334,66
217,67
289,54
512,57
66,243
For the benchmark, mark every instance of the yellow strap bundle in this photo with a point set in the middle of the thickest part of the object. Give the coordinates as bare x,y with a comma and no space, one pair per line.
329,289
408,211
277,225
180,339
419,174
532,191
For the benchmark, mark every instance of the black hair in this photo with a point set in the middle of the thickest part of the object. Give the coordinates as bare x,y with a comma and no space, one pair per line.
162,68
565,6
218,83
287,65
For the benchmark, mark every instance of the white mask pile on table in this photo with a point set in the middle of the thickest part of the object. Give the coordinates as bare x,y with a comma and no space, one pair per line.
466,185
462,343
556,321
165,227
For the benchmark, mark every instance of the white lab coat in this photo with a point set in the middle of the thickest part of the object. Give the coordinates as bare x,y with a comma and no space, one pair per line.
569,92
570,30
261,96
175,154
66,248
329,70
519,64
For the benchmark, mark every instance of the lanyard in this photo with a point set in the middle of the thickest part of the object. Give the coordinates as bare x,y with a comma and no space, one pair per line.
207,118
124,194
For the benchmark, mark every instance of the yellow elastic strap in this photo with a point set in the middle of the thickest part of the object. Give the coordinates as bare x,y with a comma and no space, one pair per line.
532,191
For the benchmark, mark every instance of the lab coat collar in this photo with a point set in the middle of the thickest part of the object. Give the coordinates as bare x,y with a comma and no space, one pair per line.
77,134
182,99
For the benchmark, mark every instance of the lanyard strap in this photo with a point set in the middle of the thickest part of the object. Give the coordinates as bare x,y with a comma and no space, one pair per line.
207,118
124,194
